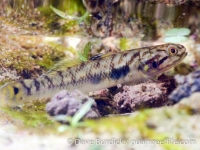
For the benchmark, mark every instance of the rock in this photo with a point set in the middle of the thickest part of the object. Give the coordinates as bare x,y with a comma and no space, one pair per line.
186,86
145,95
192,103
65,103
8,74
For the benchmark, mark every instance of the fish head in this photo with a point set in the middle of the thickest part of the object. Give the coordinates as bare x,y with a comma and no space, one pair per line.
162,58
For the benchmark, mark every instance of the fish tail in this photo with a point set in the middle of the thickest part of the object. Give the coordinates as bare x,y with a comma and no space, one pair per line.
11,93
18,92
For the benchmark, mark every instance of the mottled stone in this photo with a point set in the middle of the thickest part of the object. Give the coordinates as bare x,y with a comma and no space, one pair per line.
65,103
145,95
186,86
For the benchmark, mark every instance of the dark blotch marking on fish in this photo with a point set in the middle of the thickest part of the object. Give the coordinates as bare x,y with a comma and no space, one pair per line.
37,84
50,84
160,50
152,59
16,90
28,89
122,57
145,53
111,61
80,67
179,46
162,60
81,80
133,57
95,79
117,73
72,77
154,64
62,82
98,62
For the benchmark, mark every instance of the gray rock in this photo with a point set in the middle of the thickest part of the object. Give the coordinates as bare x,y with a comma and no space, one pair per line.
186,86
65,103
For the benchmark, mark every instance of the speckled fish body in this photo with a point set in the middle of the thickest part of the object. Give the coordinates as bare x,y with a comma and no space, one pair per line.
133,66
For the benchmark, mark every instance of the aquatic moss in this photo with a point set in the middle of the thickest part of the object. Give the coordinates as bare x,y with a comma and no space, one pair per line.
29,54
123,125
32,115
57,24
123,44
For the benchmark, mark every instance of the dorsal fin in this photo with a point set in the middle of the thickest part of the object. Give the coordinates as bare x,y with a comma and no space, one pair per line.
95,57
64,64
70,62
100,56
108,54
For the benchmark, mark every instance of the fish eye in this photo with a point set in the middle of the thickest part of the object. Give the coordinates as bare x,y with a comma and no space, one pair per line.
172,50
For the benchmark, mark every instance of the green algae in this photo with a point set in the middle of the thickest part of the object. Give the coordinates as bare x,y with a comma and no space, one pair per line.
80,56
28,56
123,44
63,14
50,58
22,52
84,55
33,115
46,62
123,125
176,35
69,17
58,22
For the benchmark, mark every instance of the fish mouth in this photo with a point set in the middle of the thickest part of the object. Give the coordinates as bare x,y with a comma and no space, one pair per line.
180,60
186,54
183,56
